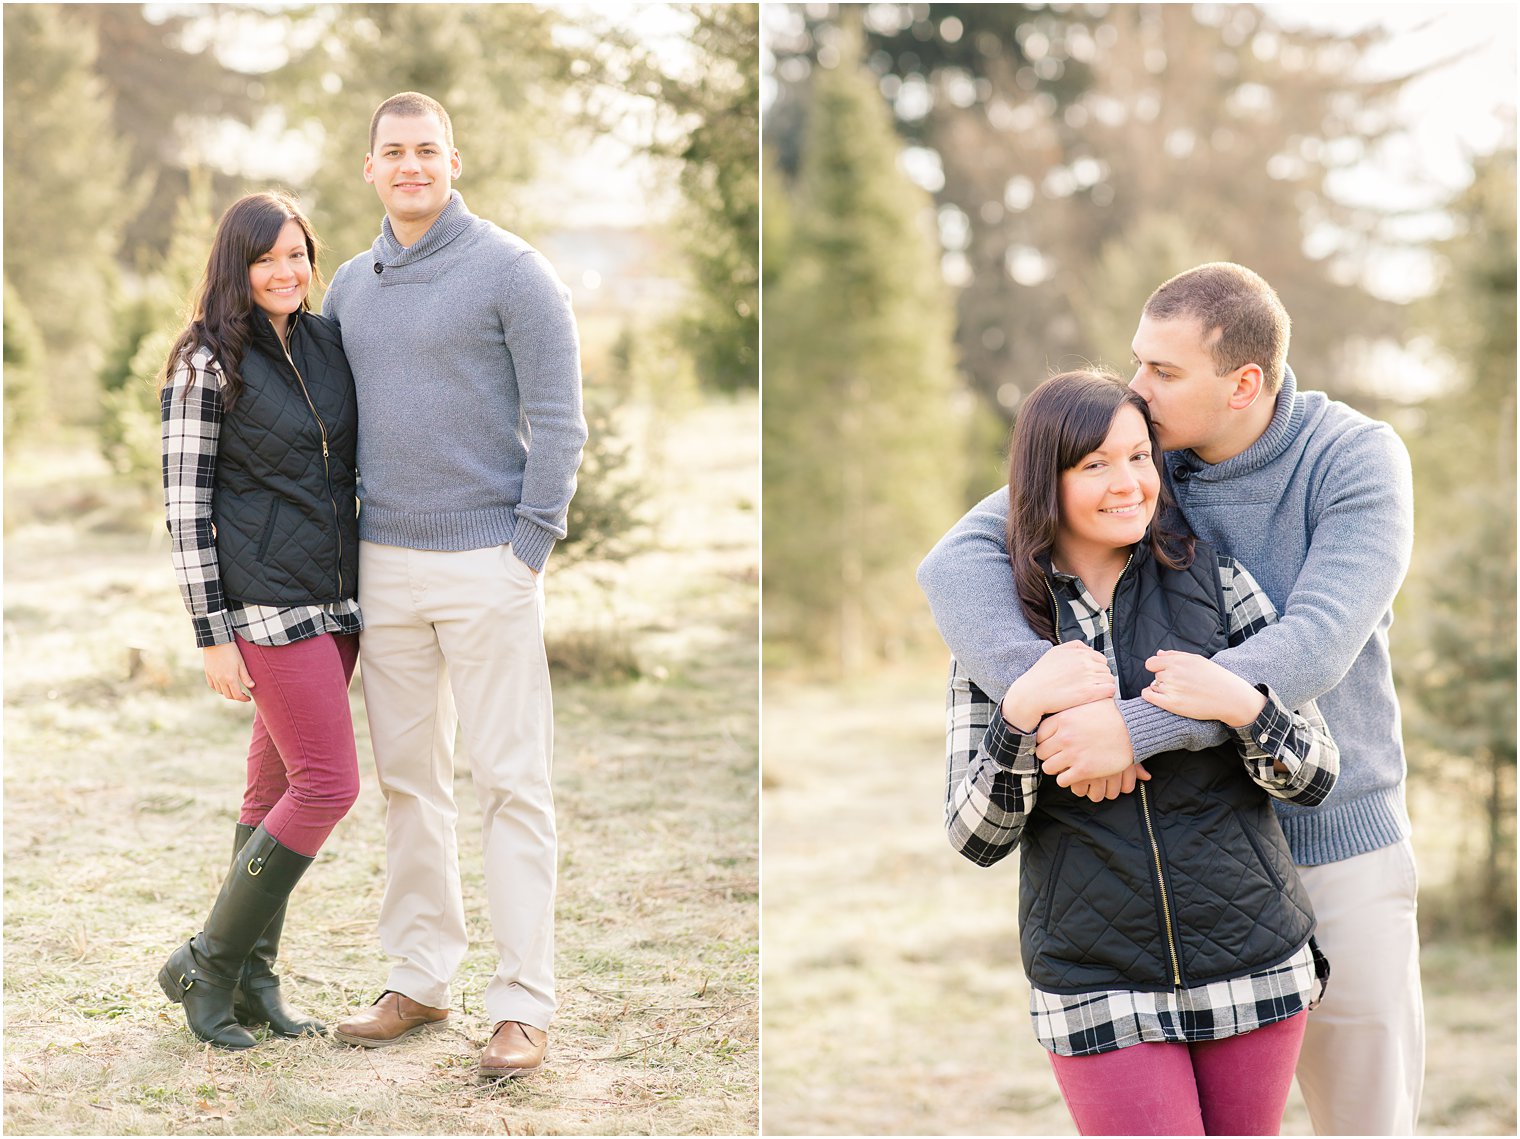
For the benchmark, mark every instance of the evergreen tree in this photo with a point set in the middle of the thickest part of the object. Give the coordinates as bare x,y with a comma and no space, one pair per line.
67,194
606,521
168,88
721,187
25,376
722,190
862,447
776,234
1459,666
147,323
705,120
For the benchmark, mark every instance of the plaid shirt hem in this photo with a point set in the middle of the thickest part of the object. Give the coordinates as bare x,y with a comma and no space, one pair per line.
1092,1023
191,409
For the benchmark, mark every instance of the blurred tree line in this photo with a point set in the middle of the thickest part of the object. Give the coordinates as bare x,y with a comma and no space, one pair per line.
1081,156
1077,157
1455,665
136,132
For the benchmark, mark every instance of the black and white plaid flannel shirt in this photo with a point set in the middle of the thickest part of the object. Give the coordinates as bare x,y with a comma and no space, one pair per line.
191,428
993,779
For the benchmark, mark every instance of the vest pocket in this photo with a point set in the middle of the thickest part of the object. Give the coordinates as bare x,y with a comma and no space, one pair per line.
1261,855
1040,916
264,542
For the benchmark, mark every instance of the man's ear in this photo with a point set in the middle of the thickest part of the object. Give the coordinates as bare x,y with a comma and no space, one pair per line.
369,169
1249,385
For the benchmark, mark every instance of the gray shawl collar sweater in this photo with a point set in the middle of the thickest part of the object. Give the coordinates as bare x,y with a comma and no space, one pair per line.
1320,510
467,367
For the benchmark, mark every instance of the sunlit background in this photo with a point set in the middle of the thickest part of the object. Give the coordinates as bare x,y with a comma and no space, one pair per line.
591,130
962,199
621,140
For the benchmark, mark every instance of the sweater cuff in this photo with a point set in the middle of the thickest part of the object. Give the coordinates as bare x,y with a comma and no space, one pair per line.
532,544
1153,730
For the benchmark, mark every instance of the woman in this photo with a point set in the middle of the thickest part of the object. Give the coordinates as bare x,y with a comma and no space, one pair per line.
1165,932
259,435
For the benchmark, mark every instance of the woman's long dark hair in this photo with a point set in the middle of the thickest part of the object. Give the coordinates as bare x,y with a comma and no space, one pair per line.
1064,420
221,319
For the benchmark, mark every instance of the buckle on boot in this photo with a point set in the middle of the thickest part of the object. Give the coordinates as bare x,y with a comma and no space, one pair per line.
255,862
185,982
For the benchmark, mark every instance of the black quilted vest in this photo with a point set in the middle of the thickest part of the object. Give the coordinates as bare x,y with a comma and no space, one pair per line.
287,530
1186,880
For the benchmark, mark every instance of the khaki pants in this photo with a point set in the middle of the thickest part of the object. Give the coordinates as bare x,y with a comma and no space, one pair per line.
1363,1061
447,631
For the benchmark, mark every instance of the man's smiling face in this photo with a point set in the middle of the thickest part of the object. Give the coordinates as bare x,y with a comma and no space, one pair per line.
412,168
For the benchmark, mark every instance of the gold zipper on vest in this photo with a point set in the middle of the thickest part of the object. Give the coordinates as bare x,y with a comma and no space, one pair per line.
1145,811
326,470
1112,604
1166,909
1145,802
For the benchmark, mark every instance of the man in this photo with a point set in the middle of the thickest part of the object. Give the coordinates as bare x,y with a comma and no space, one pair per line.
466,364
1316,500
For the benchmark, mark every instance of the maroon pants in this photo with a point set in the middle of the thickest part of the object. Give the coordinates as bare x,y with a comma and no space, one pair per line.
303,769
1235,1086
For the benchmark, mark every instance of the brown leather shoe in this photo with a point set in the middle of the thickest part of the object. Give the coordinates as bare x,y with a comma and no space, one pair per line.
390,1020
513,1050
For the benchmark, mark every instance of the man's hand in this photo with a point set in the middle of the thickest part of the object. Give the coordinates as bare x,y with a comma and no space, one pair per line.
1196,687
1084,743
1111,788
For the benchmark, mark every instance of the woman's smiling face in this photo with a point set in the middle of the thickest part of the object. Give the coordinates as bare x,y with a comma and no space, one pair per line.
280,276
1109,497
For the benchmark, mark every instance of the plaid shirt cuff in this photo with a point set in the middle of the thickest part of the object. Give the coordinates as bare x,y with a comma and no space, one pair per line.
1299,741
1010,748
1264,738
212,629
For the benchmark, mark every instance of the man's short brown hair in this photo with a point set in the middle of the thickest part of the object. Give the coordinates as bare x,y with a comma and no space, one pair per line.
411,104
1240,313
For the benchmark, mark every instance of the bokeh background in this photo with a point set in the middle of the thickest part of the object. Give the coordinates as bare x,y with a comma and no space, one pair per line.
622,141
963,199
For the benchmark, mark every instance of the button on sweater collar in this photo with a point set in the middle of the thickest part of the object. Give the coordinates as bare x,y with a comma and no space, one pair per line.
1287,419
448,225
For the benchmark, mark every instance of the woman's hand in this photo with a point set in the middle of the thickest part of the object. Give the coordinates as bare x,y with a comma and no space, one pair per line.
226,672
1112,787
1196,687
1067,675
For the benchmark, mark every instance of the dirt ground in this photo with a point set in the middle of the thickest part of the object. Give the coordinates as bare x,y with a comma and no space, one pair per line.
123,774
894,999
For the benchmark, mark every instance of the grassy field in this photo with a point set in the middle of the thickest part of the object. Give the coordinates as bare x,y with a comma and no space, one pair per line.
123,775
894,999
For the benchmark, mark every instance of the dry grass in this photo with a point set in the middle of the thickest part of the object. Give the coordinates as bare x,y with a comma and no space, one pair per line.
122,775
894,999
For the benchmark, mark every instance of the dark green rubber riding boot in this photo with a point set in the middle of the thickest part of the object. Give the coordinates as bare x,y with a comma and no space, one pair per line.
202,973
257,998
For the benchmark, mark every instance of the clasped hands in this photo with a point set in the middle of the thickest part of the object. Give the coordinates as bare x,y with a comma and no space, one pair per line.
1082,740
